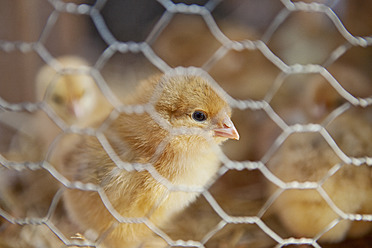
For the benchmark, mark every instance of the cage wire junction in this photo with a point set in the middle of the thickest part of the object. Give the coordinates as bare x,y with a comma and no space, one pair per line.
265,105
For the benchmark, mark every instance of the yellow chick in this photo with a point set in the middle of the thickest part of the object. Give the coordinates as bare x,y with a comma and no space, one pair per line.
76,99
180,142
73,95
308,157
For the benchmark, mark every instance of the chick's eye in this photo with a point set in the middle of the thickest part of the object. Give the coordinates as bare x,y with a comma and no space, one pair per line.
199,116
57,99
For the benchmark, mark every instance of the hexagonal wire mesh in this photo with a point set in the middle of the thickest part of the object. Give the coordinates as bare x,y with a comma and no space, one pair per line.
295,74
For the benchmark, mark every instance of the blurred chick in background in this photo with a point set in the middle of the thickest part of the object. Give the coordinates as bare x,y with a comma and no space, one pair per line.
72,95
76,99
315,99
308,157
182,102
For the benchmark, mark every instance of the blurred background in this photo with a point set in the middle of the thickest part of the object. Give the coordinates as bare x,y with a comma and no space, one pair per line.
300,36
231,48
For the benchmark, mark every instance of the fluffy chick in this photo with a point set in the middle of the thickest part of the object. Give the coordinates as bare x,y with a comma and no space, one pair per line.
308,157
183,102
74,96
76,99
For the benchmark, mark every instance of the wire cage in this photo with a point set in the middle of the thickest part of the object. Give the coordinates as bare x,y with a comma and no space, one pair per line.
297,75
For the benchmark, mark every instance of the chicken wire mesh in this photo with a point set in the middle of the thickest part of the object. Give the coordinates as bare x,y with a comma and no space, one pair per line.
297,75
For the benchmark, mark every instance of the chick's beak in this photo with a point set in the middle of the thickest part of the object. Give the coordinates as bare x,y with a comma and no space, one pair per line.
227,130
75,109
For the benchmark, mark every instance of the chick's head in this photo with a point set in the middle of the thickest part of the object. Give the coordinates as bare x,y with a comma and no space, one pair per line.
72,95
191,102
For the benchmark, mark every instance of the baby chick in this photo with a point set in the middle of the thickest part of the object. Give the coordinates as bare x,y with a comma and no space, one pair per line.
76,99
182,102
308,157
74,96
